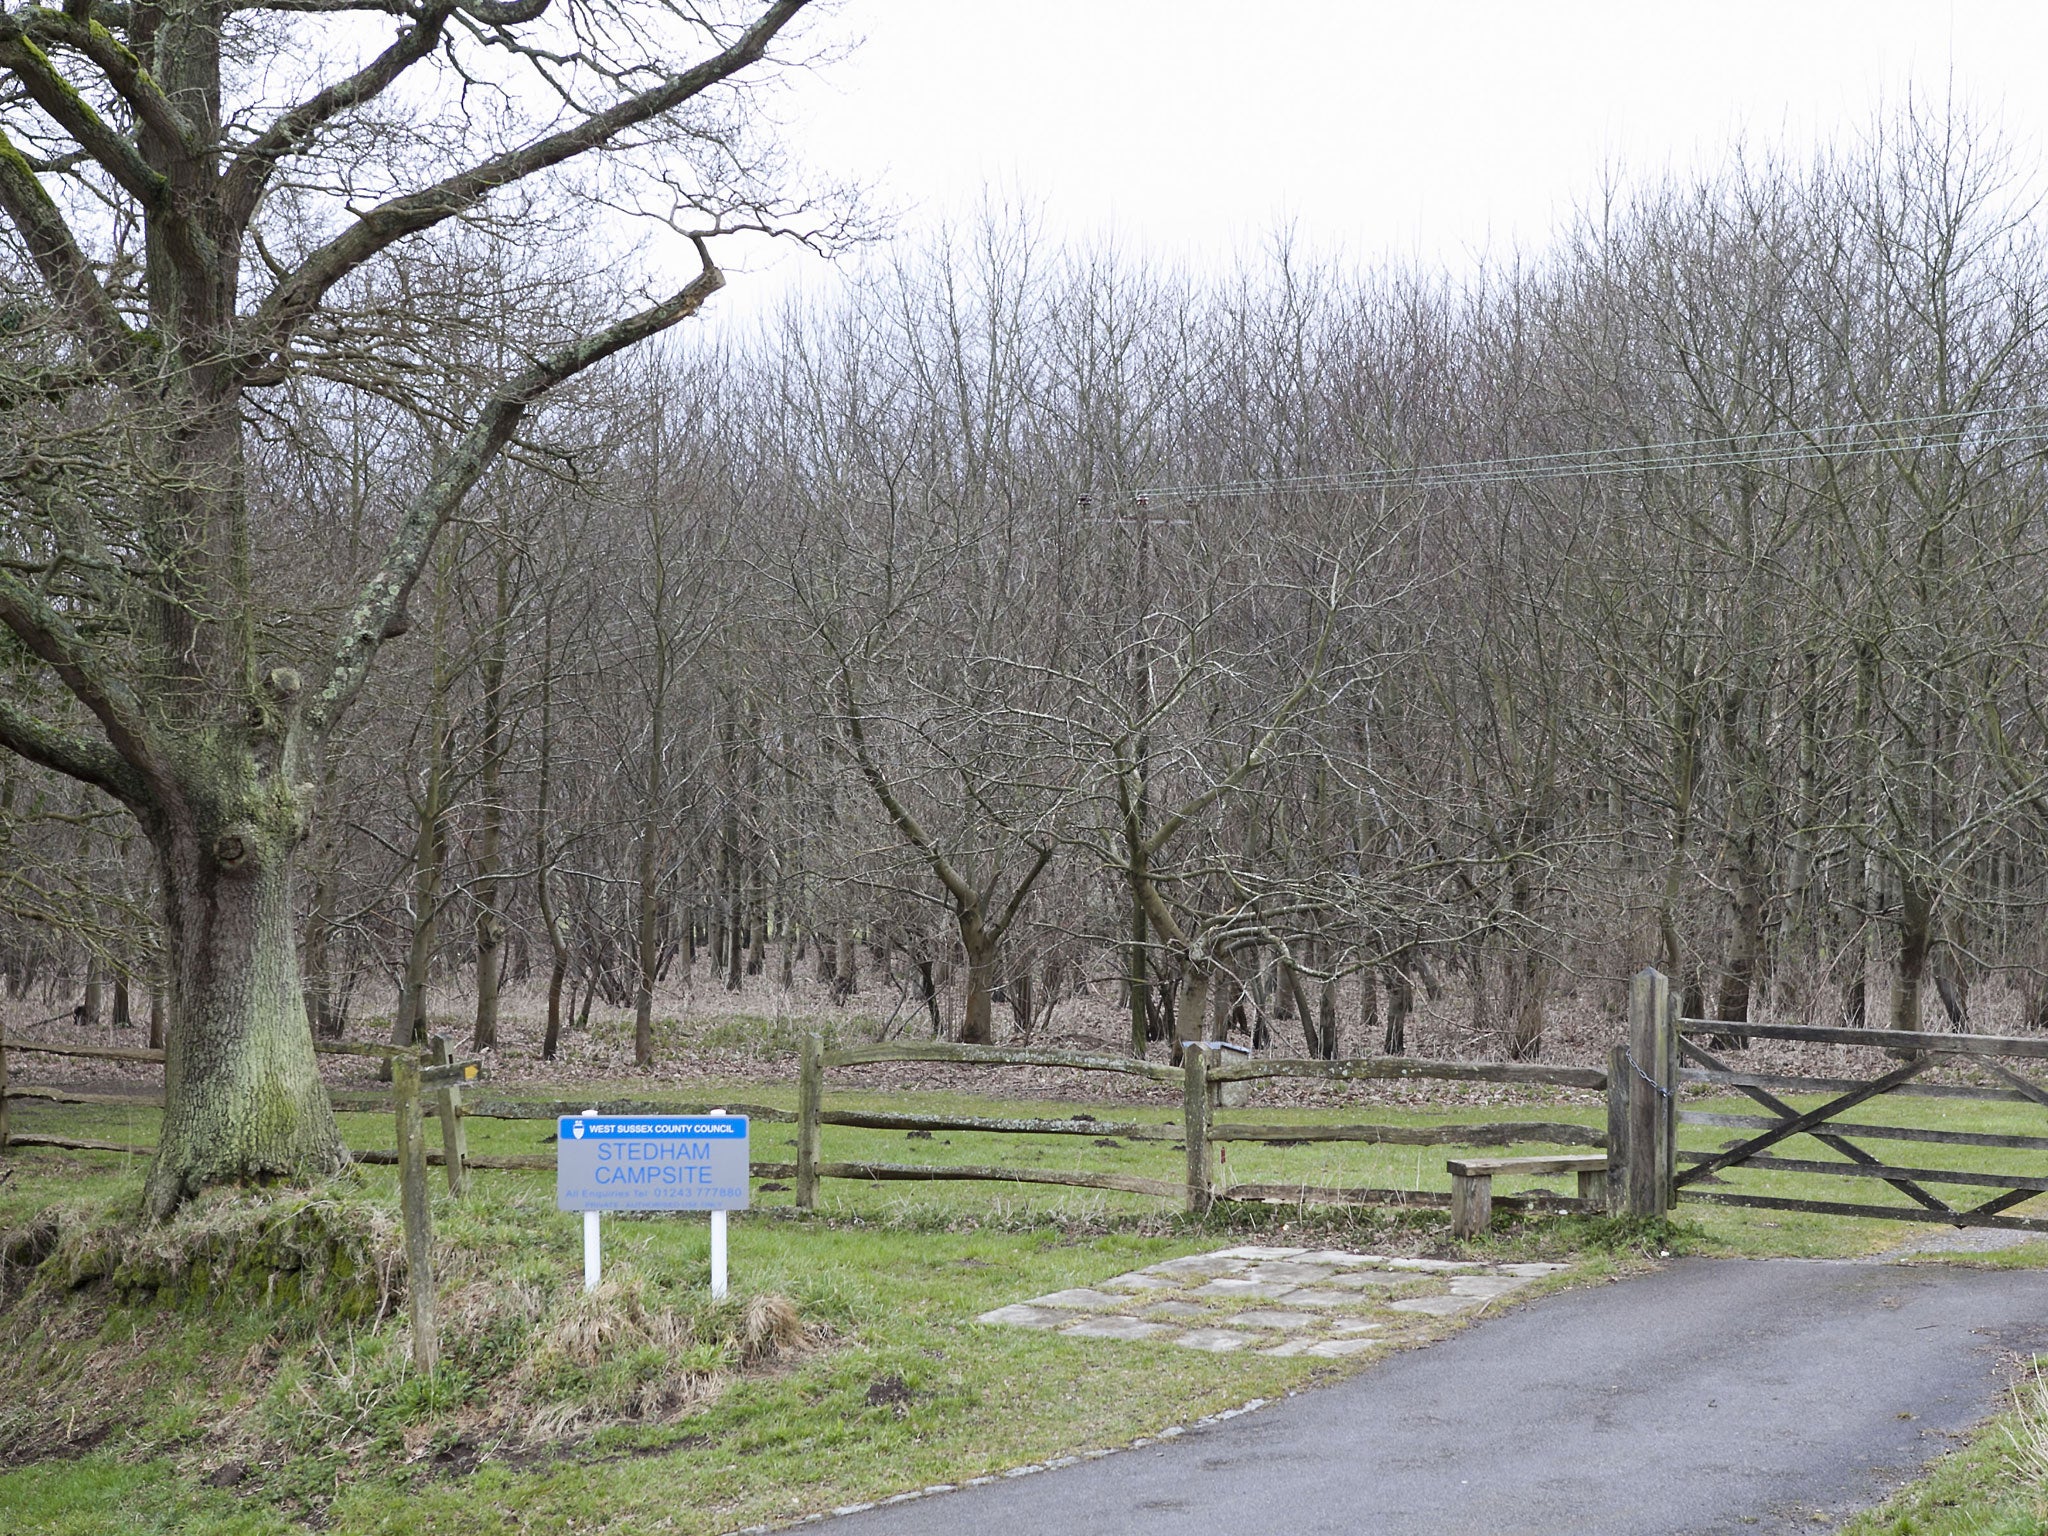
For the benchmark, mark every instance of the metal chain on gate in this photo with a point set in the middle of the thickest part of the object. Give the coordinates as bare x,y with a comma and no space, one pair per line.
1629,1056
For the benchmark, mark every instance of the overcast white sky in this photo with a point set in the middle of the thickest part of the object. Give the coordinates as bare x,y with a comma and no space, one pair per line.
1193,129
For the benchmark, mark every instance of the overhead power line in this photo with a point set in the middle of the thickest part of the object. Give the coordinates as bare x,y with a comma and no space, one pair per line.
2014,426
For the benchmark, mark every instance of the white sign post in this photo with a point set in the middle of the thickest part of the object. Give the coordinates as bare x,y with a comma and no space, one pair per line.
652,1163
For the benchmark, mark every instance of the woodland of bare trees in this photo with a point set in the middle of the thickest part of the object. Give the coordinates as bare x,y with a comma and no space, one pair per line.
1021,620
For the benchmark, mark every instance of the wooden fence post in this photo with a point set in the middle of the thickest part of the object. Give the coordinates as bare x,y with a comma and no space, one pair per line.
1194,1066
1651,1066
415,1213
1620,1081
810,1089
454,1138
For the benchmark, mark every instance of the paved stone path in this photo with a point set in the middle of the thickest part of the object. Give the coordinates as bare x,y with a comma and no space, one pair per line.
1322,1302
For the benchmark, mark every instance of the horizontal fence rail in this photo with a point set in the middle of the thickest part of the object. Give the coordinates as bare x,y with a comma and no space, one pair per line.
1947,1218
879,1120
1380,1068
1498,1133
134,1053
1876,1132
1876,1039
999,1056
1785,1082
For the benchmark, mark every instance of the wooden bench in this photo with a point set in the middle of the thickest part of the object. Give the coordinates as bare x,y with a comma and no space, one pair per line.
1472,1184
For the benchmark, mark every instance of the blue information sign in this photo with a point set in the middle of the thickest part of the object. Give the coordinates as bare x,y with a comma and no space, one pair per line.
651,1163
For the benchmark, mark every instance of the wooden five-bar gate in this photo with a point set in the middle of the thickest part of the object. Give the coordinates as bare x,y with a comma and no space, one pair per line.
1666,1054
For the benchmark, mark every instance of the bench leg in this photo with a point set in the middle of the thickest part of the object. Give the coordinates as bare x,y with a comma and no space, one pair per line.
1471,1204
1593,1188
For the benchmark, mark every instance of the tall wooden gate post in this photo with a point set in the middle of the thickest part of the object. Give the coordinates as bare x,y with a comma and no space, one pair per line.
1194,1066
415,1213
810,1089
1649,1062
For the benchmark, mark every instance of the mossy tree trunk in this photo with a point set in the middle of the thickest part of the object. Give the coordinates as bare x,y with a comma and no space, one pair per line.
243,1099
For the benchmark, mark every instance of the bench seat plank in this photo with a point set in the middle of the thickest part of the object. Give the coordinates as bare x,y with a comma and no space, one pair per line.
1487,1167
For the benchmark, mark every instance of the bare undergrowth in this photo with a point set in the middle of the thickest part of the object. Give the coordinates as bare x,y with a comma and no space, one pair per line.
271,1324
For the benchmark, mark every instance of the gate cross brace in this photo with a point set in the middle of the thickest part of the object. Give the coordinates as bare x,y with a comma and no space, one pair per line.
1848,1149
2032,1090
2025,1085
1801,1123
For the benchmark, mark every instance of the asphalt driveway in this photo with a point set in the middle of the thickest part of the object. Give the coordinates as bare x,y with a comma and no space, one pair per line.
1711,1396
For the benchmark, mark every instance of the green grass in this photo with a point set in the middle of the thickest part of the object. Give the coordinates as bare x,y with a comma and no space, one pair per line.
892,1275
1996,1486
904,1389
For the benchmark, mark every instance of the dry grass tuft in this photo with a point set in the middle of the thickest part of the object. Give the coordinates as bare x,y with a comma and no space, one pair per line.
620,1353
771,1326
2029,1432
593,1327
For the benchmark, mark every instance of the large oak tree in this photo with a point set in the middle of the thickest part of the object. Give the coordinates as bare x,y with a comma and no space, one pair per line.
211,201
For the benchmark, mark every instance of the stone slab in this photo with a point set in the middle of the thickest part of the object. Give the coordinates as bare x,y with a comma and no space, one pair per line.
1024,1316
1169,1309
1339,1256
1437,1306
1115,1328
1141,1281
1486,1286
1197,1264
1334,1349
1309,1296
1245,1290
1216,1341
1272,1317
1081,1299
1284,1269
1435,1266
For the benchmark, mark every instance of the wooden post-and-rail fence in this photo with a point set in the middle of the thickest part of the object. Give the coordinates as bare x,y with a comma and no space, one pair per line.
1198,1126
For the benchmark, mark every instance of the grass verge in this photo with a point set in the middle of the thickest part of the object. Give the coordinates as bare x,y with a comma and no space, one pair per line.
1995,1486
167,1381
